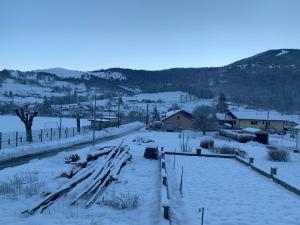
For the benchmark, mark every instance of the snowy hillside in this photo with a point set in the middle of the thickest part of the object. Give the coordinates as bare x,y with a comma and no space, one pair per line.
65,73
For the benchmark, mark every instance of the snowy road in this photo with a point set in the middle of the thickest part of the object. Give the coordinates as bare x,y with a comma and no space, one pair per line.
25,159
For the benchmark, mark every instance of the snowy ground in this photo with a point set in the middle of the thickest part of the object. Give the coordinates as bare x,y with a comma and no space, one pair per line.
139,177
10,123
230,193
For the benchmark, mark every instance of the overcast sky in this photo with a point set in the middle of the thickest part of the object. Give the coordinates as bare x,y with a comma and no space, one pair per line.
142,34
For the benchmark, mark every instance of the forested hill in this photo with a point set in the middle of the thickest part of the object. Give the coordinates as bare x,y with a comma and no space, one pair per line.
268,80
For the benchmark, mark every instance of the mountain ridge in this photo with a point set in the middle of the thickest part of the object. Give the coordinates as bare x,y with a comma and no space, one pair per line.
268,80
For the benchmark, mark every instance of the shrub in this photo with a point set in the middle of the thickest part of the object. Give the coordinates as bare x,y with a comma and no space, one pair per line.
72,158
226,149
243,138
123,201
27,184
278,155
208,144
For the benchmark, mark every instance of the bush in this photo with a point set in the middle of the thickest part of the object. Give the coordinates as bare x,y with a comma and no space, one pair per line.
123,201
27,184
243,138
225,149
72,158
208,144
278,155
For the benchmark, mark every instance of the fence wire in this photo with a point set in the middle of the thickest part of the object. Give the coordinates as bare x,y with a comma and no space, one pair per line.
18,138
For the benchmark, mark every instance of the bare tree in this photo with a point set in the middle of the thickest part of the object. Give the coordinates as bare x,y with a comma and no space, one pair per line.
204,118
78,116
26,117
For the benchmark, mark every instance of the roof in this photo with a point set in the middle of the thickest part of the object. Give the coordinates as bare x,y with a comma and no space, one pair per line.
172,113
256,115
297,127
100,120
223,116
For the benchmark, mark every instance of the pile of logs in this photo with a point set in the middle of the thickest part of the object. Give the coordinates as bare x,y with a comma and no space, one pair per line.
88,178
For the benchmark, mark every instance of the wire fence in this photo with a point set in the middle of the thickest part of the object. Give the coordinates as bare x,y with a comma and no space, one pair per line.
18,138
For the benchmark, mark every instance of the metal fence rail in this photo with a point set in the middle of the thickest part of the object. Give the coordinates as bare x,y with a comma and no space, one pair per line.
18,138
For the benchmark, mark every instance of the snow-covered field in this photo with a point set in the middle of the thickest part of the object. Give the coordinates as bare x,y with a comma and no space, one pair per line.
230,194
10,123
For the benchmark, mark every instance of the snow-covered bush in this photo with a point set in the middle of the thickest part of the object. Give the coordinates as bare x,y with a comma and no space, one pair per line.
225,149
27,184
123,201
72,158
243,138
208,143
278,155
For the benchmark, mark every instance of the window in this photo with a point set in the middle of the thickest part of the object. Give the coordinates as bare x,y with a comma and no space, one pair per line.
253,122
178,117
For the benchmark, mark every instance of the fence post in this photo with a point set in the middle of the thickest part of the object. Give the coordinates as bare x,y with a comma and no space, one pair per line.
0,140
251,160
17,136
273,171
51,134
41,135
73,131
66,132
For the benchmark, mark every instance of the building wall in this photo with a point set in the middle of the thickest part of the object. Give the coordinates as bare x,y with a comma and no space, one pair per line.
178,120
260,124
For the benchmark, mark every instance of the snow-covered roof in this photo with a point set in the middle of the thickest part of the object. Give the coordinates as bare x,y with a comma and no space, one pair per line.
297,127
257,115
171,113
100,120
223,116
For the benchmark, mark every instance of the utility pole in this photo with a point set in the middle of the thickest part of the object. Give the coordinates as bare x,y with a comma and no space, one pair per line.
94,118
119,112
147,115
60,121
268,121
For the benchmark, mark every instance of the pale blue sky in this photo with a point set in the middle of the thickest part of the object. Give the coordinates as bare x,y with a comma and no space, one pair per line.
142,34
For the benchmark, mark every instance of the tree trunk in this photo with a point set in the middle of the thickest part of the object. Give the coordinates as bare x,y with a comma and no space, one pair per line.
28,134
78,124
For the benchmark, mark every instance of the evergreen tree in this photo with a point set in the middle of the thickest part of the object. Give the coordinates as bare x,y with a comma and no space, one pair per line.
222,105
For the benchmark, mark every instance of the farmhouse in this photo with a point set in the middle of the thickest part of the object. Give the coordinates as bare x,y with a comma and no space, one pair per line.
255,119
177,119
